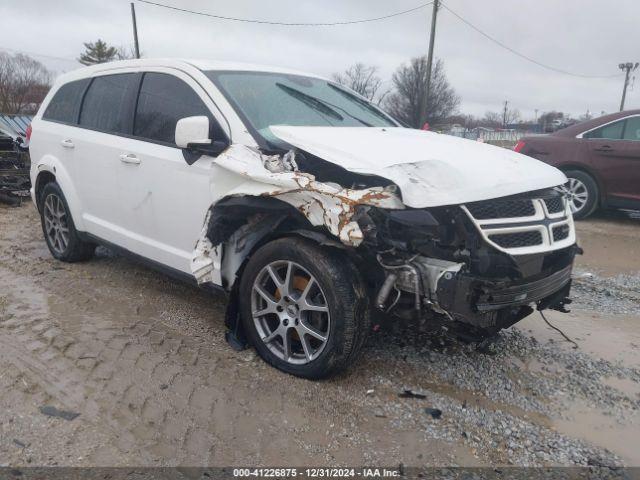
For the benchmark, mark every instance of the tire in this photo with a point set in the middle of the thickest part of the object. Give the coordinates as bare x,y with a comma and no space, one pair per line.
322,279
584,193
58,228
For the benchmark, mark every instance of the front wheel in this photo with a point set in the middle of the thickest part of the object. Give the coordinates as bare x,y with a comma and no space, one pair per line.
303,307
583,193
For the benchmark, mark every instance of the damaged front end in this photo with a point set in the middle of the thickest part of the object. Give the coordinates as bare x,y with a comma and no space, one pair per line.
472,268
478,267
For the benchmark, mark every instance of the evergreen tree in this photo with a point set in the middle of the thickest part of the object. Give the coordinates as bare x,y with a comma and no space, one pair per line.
98,52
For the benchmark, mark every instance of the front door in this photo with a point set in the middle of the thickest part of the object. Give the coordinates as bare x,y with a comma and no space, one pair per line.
165,200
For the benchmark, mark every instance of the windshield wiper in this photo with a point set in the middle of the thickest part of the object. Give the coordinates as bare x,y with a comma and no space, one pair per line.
306,97
311,101
360,101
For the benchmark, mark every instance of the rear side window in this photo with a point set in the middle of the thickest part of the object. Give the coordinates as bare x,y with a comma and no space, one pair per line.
163,100
613,131
107,103
65,104
632,129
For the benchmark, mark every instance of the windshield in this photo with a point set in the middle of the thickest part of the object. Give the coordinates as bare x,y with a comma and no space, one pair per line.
264,99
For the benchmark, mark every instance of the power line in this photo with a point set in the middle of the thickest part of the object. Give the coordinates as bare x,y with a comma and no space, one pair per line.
38,54
522,55
288,24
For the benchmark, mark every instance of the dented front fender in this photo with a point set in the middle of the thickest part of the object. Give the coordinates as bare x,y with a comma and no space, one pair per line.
322,204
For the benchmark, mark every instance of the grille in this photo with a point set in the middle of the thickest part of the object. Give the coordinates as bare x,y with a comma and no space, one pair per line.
502,209
517,239
520,226
560,233
554,204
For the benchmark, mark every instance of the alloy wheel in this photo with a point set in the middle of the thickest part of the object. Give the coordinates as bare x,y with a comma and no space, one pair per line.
578,195
290,312
55,223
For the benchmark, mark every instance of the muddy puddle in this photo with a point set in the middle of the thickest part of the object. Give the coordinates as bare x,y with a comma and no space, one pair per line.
613,338
619,435
610,242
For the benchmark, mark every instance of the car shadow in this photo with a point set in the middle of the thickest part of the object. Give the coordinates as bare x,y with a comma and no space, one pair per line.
630,217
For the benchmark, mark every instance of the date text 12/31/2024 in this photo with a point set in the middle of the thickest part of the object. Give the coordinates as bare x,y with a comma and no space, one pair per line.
325,472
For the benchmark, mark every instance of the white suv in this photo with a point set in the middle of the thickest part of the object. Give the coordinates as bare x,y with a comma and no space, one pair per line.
309,205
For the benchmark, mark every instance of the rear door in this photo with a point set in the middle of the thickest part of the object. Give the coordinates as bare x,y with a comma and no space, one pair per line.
105,117
615,154
165,200
629,181
57,131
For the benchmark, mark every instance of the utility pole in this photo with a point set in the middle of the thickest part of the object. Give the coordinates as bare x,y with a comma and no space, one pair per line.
504,114
628,67
135,30
434,16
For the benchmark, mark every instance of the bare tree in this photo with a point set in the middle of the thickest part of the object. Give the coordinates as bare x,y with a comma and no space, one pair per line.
491,119
408,102
509,115
24,83
126,53
501,119
362,79
512,116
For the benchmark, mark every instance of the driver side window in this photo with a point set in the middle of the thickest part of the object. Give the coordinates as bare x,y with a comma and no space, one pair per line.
162,101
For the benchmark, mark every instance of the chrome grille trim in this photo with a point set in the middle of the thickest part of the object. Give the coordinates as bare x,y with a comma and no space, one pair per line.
543,221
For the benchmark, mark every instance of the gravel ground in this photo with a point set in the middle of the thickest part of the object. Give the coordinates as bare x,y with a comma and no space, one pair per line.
619,294
498,405
143,361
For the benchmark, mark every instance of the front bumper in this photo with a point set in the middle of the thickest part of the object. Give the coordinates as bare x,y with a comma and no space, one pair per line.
525,293
448,289
471,294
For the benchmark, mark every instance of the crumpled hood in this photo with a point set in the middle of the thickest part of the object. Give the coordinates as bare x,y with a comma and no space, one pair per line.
429,168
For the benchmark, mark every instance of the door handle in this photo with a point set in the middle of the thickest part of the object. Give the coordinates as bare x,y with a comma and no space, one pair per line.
604,148
129,158
68,143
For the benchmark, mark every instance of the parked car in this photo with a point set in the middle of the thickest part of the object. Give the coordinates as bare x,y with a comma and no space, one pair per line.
600,157
14,169
303,201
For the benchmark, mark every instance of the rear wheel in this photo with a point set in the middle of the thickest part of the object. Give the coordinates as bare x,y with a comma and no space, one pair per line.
58,227
303,307
583,193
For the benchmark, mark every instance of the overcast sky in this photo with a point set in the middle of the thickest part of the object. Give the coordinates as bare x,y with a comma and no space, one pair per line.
588,37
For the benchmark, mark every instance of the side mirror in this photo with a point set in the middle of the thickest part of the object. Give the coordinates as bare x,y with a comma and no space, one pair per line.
192,135
192,131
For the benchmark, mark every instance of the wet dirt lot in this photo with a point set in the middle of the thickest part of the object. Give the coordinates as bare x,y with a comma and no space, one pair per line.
143,361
